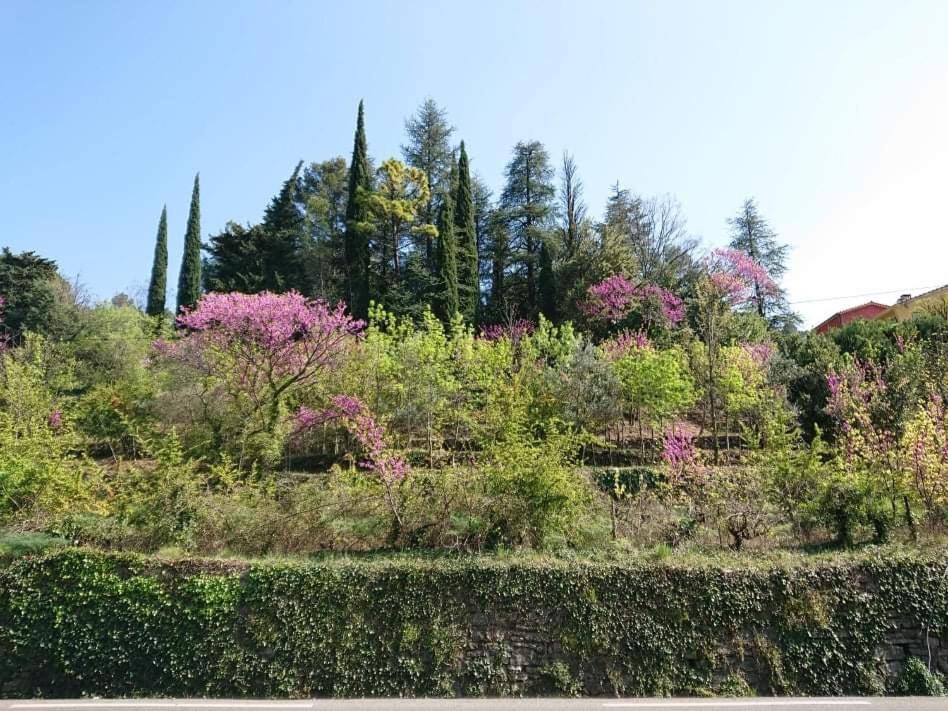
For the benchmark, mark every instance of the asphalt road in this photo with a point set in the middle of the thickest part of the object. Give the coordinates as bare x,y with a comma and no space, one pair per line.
765,704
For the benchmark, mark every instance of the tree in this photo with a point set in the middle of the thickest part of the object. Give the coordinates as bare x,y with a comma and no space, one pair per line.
235,261
358,228
159,269
447,300
400,196
547,286
260,349
324,195
429,150
752,234
575,268
189,278
730,280
527,208
283,234
465,228
26,288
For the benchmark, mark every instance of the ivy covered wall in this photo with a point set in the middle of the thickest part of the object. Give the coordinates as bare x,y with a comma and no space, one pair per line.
83,622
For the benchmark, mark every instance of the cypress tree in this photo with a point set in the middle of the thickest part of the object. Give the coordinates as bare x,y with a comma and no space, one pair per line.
159,269
356,238
447,300
189,278
465,229
546,283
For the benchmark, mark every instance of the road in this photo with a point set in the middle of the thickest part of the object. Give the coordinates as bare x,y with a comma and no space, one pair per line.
765,704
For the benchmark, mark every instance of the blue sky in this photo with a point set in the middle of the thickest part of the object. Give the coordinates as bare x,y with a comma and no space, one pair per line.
834,115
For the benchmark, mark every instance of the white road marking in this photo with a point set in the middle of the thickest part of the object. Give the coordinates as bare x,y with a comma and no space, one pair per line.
733,704
158,704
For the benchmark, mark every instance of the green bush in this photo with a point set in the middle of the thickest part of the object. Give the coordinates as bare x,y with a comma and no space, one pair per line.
79,622
917,680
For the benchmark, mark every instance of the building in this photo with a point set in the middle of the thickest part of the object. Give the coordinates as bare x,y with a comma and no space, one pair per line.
869,311
908,306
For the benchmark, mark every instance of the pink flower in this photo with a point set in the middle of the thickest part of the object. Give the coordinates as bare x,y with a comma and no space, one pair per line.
677,450
614,298
355,417
55,419
760,353
624,343
262,341
514,331
738,277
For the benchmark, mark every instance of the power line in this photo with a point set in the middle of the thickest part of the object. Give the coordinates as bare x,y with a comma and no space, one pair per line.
904,290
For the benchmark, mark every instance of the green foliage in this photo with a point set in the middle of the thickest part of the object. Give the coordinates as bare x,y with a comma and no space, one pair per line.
189,278
656,384
356,235
27,291
18,545
447,260
80,623
42,470
917,680
158,283
535,493
465,231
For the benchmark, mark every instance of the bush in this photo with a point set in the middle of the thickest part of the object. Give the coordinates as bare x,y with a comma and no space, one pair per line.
917,680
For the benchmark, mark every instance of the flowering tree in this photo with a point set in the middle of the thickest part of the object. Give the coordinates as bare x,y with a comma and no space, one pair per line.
352,414
731,280
925,443
261,348
613,299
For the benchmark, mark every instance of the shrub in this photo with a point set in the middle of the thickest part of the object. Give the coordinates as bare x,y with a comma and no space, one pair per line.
917,680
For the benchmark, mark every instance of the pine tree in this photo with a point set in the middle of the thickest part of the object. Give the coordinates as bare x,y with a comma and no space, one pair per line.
527,204
447,265
189,278
429,150
283,226
357,228
465,230
159,269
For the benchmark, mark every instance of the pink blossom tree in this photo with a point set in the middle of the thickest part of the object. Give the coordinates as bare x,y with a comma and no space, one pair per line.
259,349
352,414
613,299
731,280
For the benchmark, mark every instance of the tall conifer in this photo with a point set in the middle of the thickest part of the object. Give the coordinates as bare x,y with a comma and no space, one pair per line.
447,264
158,284
356,239
189,278
466,233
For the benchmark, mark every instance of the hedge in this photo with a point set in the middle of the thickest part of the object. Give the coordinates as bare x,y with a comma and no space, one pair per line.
80,622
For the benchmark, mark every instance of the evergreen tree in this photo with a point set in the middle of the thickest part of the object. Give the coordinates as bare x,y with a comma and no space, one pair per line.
235,259
447,298
159,269
284,226
752,234
27,288
324,197
358,228
429,150
189,278
547,283
527,204
465,229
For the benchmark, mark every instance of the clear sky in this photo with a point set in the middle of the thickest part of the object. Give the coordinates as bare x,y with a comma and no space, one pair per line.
833,114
